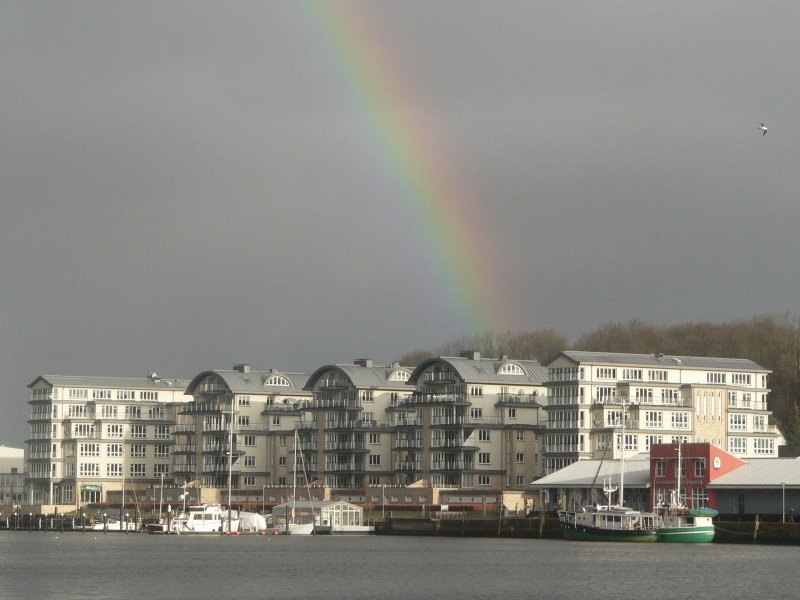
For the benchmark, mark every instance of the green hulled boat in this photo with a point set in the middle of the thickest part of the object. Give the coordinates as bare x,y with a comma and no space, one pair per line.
682,526
608,524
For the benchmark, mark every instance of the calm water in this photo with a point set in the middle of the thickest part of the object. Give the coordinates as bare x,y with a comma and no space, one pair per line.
92,565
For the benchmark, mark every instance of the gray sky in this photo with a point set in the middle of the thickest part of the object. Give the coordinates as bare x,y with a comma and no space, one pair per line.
189,185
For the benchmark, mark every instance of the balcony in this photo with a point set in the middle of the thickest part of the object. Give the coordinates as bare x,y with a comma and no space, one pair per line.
184,449
440,443
206,407
431,398
451,465
345,447
407,444
408,422
517,399
349,467
409,465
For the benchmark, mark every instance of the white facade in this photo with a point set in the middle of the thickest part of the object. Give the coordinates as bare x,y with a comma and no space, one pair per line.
92,435
696,399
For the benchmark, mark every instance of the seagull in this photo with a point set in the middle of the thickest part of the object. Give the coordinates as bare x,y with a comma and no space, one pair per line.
763,128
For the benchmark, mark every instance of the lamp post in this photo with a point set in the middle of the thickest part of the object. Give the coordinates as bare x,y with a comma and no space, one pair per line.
383,505
263,492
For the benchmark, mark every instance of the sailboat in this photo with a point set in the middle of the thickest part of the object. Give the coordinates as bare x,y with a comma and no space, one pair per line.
292,526
610,522
680,524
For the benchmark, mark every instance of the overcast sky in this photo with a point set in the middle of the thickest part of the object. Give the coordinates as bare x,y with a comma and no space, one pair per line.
189,185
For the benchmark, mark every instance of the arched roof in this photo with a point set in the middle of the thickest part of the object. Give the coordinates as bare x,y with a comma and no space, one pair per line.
485,370
361,377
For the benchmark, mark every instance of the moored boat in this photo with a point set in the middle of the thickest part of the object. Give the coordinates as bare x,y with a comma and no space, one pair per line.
608,524
687,526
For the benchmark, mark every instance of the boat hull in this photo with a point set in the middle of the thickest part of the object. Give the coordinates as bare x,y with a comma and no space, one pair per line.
686,535
597,534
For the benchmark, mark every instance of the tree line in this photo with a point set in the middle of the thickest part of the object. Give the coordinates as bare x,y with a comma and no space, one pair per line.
771,340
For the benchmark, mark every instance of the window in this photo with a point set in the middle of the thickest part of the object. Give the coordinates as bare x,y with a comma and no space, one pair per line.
114,450
139,431
511,369
680,420
162,432
108,412
661,468
276,420
484,480
740,378
763,446
156,413
606,373
476,390
759,423
484,458
89,450
374,438
631,441
244,420
649,440
133,412
282,461
737,422
366,396
113,470
249,440
160,469
657,375
375,459
89,470
512,413
278,380
520,458
484,435
148,395
282,440
249,461
699,467
161,451
520,435
632,374
244,400
654,419
101,394
249,480
138,470
737,445
715,377
367,417
138,450
75,394
520,480
476,412
126,395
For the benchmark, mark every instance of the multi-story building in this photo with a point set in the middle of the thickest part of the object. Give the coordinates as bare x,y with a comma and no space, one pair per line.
347,440
240,422
93,435
470,422
12,476
722,401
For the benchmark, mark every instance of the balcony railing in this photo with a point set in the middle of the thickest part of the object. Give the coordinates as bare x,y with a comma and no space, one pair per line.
450,465
408,465
403,444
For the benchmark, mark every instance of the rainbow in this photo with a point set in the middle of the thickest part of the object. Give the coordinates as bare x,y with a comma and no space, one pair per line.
466,263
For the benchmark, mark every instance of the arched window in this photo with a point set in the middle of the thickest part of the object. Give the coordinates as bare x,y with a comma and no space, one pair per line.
511,369
278,380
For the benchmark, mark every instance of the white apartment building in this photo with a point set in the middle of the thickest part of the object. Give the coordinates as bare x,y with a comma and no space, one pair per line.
92,435
348,437
12,476
722,401
258,411
470,422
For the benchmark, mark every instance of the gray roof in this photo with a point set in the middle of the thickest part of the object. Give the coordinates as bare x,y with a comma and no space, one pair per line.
374,377
485,370
582,473
762,472
663,360
112,382
252,382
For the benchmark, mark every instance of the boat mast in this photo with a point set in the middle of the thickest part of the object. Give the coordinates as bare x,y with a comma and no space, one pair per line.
678,489
230,462
622,459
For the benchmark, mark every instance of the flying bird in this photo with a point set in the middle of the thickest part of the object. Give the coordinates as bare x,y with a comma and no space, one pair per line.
763,129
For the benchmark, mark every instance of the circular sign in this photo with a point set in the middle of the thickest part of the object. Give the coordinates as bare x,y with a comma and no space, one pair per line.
717,462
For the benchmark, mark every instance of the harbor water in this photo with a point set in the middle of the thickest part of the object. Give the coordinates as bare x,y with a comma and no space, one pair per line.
94,565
